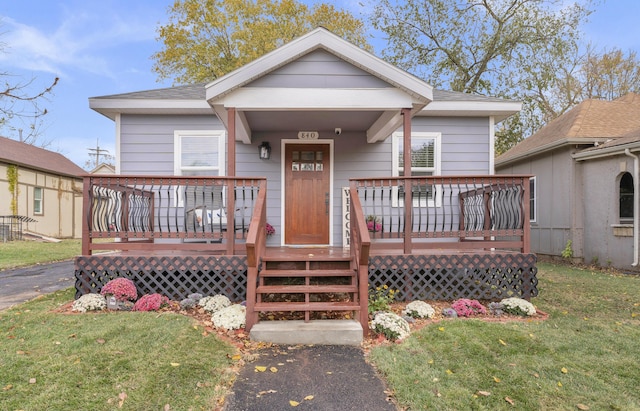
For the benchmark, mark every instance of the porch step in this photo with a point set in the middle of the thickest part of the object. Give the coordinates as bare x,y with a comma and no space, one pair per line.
307,273
322,332
311,306
297,289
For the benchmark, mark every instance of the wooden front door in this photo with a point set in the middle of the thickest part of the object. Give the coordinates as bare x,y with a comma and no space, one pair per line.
307,202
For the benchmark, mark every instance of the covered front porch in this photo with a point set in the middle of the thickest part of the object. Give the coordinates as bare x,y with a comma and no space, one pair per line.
427,237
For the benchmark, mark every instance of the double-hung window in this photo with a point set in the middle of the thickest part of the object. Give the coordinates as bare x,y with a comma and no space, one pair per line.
425,161
38,194
198,153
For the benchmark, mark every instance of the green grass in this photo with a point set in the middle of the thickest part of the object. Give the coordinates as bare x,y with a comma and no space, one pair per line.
584,353
25,253
90,361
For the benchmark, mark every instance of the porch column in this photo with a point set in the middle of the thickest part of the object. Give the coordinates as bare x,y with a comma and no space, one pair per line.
408,203
231,172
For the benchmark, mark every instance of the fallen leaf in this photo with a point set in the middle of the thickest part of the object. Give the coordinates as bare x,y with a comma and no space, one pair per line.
430,361
559,384
72,336
32,380
502,342
329,372
57,343
535,374
175,364
582,407
449,372
20,352
7,387
273,369
260,368
122,396
100,341
167,407
308,398
294,403
236,357
441,328
509,400
496,379
484,393
564,370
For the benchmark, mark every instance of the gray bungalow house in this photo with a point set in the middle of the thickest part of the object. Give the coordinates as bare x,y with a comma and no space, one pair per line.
586,175
294,166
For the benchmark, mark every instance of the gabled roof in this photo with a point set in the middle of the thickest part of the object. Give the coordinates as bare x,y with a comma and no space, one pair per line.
592,121
29,156
320,38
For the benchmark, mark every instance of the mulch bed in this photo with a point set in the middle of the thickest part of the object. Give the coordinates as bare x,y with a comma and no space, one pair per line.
240,338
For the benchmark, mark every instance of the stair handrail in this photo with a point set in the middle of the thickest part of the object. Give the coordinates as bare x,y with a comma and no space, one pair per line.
255,246
360,245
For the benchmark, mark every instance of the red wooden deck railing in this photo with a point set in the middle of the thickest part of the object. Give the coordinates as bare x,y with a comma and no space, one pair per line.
446,212
168,213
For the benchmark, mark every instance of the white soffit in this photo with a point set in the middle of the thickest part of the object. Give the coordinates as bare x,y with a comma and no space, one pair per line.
500,110
109,107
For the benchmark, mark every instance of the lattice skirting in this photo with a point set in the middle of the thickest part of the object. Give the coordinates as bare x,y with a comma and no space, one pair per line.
416,277
449,277
175,277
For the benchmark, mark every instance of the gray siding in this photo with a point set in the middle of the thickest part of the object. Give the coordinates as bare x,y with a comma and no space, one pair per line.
147,148
146,142
601,212
319,69
554,224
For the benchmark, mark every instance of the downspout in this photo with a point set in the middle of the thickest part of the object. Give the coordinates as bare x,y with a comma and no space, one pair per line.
636,203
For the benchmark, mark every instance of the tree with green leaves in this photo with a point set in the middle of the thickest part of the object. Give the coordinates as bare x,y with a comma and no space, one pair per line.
205,39
518,49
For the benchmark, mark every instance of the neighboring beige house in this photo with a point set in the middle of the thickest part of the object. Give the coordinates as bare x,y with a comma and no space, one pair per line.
103,168
47,188
586,175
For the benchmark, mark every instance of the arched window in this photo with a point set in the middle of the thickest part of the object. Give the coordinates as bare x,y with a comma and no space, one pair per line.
626,198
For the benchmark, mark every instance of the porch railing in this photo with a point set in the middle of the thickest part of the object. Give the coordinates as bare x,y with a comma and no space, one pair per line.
446,212
173,213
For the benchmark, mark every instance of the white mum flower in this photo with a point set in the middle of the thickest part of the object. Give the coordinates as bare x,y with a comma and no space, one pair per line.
418,309
89,302
391,325
518,306
215,303
230,318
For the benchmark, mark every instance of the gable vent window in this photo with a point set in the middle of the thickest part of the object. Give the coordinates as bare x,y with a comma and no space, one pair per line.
626,198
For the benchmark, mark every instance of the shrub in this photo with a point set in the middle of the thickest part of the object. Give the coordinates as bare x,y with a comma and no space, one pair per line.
380,298
123,289
89,302
418,309
496,308
392,326
467,308
232,317
215,303
195,296
150,302
518,306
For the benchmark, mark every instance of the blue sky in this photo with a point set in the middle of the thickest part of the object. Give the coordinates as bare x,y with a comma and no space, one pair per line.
104,47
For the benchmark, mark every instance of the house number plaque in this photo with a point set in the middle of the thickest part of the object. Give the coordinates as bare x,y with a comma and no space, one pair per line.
308,135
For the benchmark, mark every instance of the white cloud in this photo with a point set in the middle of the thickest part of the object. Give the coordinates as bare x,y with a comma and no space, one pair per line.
82,41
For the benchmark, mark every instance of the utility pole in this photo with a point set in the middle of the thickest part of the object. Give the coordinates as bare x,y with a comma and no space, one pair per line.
97,152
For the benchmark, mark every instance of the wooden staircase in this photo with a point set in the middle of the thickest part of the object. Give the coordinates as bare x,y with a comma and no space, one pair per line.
307,284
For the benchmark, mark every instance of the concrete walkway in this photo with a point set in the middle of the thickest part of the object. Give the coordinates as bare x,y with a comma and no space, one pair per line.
23,284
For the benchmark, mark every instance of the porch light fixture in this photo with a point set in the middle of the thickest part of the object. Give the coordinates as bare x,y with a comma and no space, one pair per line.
264,150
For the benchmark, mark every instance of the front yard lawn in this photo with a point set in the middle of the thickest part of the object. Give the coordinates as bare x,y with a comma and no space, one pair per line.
582,357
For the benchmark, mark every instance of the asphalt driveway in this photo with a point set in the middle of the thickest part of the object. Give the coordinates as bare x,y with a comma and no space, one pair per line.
22,284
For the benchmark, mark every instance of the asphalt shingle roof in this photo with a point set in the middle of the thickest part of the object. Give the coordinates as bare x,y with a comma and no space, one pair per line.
27,155
590,121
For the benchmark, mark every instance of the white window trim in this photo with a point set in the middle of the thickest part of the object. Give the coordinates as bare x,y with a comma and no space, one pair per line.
395,166
40,200
177,155
535,200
